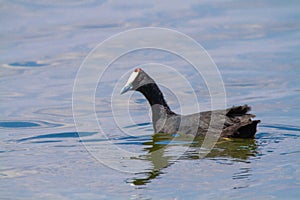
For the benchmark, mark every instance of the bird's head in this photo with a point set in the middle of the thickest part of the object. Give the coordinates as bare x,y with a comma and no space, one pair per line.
136,80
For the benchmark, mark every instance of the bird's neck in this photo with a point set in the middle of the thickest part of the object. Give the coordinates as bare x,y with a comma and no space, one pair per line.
156,100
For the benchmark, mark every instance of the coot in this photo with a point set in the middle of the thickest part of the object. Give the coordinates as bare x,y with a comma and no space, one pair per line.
238,122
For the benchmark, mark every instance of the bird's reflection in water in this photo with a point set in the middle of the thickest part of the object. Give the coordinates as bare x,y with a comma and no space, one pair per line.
164,150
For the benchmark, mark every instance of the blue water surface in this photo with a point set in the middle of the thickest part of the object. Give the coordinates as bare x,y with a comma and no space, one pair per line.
256,46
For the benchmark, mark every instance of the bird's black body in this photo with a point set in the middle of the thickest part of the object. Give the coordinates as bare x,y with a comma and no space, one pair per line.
233,122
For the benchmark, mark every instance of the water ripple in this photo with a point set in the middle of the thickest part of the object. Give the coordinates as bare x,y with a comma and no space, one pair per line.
28,124
57,136
26,64
282,127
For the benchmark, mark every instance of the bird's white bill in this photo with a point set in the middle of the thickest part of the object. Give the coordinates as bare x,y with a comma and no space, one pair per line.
128,85
126,88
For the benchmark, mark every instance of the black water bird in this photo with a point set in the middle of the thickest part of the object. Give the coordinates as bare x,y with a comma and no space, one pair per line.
236,122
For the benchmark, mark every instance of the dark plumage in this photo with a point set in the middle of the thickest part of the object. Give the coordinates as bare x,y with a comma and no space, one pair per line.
237,121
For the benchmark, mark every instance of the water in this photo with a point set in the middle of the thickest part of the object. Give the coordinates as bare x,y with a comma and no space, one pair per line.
256,48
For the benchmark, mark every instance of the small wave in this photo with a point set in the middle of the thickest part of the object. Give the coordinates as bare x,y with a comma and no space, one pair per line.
27,64
27,124
139,125
57,136
282,127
